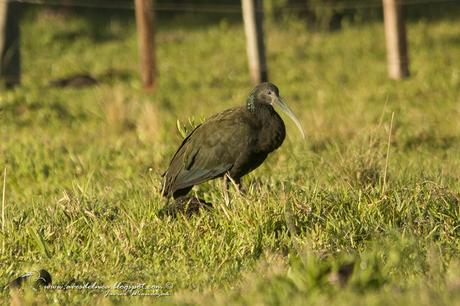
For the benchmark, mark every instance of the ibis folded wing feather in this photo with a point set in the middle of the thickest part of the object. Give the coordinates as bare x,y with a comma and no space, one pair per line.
208,152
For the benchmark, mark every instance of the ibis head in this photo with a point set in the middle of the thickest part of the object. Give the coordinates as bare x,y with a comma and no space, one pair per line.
268,93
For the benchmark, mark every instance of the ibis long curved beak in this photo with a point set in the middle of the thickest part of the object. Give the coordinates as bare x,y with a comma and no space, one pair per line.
289,113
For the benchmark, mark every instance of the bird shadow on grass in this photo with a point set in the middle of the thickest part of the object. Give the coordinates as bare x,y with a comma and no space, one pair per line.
430,140
86,79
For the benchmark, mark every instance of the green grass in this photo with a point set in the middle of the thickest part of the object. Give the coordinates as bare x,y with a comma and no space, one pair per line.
83,168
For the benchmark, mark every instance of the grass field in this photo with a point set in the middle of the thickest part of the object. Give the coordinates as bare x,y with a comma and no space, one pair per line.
364,190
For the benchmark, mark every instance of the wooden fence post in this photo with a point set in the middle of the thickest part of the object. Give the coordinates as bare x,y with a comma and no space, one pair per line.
395,33
253,26
145,34
10,61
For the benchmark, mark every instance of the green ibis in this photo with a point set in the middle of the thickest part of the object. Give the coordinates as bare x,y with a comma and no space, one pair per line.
233,142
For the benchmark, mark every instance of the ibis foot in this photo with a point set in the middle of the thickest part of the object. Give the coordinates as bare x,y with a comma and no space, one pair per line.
184,205
227,182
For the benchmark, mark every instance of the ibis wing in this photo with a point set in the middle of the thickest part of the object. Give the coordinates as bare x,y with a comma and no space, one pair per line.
193,177
181,146
209,152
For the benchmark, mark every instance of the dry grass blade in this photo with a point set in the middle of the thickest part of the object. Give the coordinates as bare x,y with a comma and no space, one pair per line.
387,155
3,208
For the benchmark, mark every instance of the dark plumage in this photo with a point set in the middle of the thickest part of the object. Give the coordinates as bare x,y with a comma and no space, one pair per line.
235,141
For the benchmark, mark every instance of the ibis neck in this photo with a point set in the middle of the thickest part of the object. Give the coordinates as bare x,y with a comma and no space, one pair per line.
272,129
251,103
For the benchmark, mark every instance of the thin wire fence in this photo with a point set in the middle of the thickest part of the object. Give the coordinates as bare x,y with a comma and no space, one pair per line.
220,8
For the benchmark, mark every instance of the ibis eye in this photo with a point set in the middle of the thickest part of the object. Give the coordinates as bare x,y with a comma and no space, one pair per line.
270,93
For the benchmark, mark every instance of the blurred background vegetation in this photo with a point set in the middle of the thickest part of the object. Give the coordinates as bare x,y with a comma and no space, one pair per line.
318,14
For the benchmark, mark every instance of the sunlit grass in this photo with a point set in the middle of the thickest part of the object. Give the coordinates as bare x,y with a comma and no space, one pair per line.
84,165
